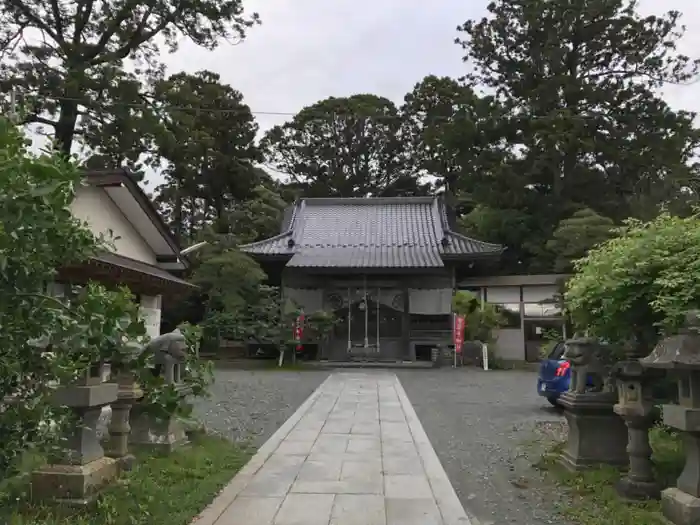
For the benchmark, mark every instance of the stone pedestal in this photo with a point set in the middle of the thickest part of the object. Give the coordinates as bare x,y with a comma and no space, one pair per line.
151,429
679,355
681,504
77,473
636,408
156,433
597,436
119,429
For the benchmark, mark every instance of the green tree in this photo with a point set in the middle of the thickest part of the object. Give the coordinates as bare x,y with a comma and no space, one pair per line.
345,147
228,277
639,284
260,217
584,125
453,133
209,153
574,236
44,339
80,66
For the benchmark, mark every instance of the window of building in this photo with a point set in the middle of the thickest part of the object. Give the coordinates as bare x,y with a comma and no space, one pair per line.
542,310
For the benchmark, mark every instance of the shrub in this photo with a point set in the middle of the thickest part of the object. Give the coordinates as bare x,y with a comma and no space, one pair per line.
46,341
640,284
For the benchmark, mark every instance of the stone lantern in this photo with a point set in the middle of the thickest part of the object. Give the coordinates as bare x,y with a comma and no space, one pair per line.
152,430
77,473
128,394
636,407
596,434
680,356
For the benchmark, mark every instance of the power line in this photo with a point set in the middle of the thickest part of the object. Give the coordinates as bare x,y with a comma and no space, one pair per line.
319,116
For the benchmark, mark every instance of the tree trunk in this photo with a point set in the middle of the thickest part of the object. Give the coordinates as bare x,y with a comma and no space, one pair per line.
65,127
177,213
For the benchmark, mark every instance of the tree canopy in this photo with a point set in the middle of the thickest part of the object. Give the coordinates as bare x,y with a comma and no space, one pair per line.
345,147
206,139
639,284
81,67
583,124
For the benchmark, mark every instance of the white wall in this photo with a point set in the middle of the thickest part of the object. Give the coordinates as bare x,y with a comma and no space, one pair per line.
150,311
503,294
94,206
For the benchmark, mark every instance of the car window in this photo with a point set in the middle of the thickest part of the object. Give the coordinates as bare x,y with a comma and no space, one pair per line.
558,351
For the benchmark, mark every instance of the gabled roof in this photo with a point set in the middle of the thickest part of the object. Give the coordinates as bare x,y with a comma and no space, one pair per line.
139,210
396,232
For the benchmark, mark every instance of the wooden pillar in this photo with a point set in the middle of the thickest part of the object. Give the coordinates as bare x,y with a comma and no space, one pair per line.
406,326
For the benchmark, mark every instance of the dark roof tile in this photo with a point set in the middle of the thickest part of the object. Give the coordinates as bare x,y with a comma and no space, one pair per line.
399,232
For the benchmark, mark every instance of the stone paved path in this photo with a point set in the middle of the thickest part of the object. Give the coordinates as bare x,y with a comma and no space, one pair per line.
353,454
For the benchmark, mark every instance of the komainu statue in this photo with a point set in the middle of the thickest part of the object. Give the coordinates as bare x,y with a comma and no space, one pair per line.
589,371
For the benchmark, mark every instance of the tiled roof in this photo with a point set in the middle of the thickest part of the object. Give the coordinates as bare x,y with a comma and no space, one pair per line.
399,232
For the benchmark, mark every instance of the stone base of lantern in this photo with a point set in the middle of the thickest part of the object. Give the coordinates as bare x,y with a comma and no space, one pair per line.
149,432
73,484
597,436
78,473
680,507
637,490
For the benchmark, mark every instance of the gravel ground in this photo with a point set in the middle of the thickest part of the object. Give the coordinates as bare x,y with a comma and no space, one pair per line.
248,405
488,428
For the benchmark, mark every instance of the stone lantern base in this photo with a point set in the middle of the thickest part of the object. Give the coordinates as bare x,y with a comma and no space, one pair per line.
73,484
78,474
153,433
596,434
680,507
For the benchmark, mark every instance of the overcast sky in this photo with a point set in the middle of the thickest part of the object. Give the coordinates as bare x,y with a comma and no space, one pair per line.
307,50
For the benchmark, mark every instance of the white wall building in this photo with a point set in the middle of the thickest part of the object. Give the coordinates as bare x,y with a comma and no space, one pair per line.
142,250
529,303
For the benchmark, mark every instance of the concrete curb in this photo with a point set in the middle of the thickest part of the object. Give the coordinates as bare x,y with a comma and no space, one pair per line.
451,509
216,508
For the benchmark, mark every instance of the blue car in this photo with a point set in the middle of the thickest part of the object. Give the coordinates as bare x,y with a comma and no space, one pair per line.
554,375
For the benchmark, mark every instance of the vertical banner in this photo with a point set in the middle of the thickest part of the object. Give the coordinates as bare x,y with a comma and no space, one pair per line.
299,330
458,332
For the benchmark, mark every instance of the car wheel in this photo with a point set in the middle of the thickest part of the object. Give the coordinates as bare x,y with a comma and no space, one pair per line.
553,401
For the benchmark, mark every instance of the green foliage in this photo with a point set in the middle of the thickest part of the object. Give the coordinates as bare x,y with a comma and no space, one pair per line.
321,323
481,319
160,489
345,147
47,341
551,339
640,283
453,132
574,236
210,154
88,75
165,399
259,217
229,278
575,131
591,495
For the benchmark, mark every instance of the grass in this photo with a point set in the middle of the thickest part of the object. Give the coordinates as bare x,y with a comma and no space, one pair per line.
592,495
160,490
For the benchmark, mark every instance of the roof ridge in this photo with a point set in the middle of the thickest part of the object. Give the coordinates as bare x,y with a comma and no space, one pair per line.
369,200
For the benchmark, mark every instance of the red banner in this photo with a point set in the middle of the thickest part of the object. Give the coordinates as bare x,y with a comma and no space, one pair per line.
299,330
458,332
